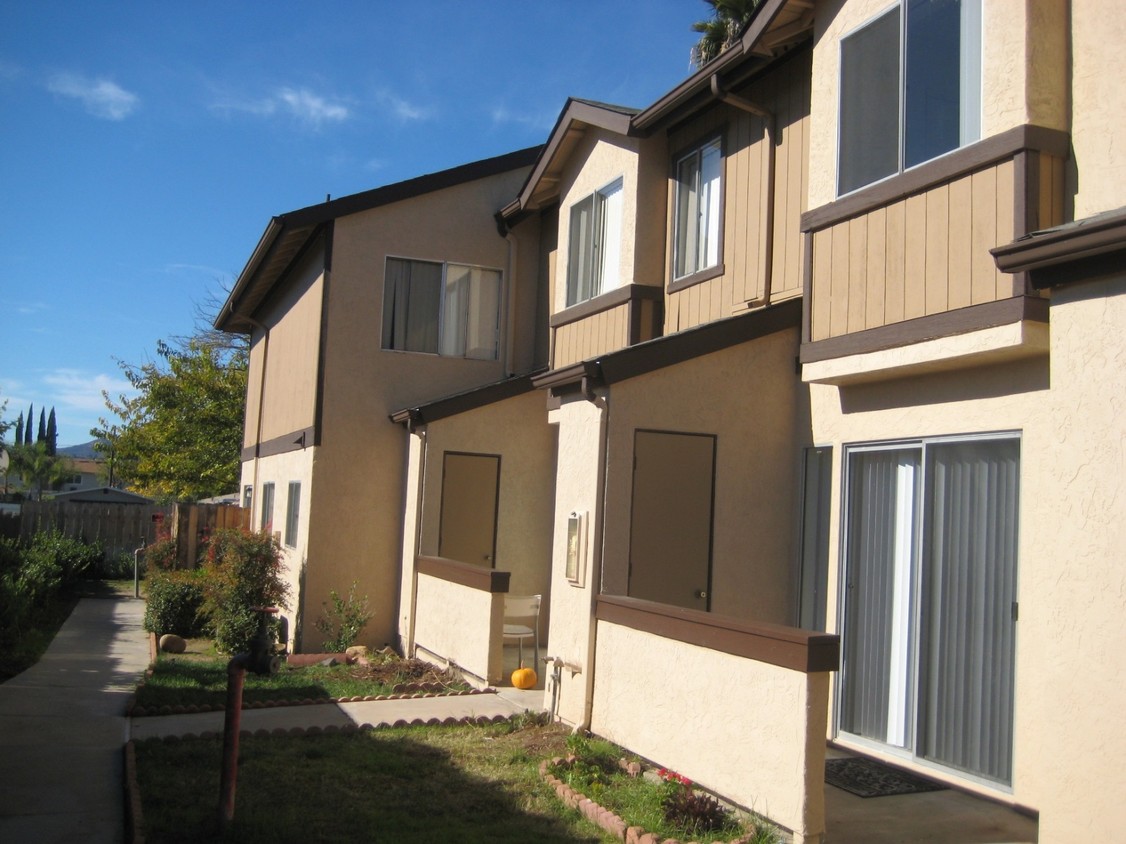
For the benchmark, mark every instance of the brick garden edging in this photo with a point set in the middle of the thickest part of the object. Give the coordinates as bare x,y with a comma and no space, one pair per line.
604,817
400,692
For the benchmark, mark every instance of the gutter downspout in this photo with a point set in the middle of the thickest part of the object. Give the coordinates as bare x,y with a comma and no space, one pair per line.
599,531
769,131
510,317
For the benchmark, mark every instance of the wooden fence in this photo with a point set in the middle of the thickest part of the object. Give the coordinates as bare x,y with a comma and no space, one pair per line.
122,528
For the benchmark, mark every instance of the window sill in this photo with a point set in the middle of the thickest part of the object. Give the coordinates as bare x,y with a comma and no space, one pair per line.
696,278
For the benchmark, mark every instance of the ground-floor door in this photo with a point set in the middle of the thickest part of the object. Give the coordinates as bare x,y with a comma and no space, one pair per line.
929,600
468,524
671,518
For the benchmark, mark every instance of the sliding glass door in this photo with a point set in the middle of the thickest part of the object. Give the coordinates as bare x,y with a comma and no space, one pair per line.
929,600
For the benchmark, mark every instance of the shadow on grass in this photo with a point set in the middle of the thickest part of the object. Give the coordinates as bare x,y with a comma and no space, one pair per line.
393,786
205,683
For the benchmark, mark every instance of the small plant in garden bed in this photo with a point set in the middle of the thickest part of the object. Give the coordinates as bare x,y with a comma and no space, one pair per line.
198,677
668,806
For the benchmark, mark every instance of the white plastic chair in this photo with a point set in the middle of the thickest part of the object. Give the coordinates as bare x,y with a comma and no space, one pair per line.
522,621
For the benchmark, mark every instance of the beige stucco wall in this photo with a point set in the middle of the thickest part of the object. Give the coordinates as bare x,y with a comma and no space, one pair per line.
1098,110
461,626
1006,397
577,483
601,158
290,353
1024,73
755,736
356,533
751,399
281,470
1072,691
517,430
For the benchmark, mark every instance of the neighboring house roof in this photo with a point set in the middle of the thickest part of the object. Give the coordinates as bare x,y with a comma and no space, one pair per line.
86,465
286,235
102,495
1082,249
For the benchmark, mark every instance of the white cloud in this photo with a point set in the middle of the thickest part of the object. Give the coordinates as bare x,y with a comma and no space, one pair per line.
301,103
72,388
101,97
540,121
29,308
402,109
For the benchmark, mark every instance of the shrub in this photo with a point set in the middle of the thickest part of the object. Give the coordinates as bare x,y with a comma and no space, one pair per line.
161,555
73,558
174,602
243,570
342,623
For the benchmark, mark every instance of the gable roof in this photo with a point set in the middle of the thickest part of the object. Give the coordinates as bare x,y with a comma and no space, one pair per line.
288,234
776,26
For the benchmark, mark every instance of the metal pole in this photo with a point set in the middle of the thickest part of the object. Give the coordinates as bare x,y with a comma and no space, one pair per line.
137,569
236,671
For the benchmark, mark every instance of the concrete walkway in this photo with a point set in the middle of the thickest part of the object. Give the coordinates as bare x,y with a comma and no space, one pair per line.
63,726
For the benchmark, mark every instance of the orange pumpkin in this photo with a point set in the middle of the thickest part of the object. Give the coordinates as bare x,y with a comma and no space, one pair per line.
524,678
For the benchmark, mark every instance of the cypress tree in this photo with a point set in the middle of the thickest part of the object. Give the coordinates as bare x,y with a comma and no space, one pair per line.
52,434
19,430
41,437
27,426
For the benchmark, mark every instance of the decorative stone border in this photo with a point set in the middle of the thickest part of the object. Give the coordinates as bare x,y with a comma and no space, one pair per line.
604,817
400,692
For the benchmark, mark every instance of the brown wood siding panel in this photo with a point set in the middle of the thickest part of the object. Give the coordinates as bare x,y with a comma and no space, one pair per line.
915,258
1006,174
983,236
960,240
937,250
896,262
838,298
821,285
857,272
791,190
874,300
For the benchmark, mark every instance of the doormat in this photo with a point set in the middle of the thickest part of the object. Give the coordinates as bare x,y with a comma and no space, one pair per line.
869,778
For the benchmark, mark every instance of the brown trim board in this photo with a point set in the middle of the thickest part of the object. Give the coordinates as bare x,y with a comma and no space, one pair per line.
628,294
787,647
293,441
464,574
943,169
1082,249
462,402
945,324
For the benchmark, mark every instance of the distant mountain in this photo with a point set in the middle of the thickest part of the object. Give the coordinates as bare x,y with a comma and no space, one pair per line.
85,451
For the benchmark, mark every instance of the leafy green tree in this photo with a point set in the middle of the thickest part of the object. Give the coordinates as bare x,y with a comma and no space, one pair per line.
27,424
180,437
722,29
19,427
41,437
52,439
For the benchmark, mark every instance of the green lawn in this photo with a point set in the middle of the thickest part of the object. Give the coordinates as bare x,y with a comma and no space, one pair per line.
425,784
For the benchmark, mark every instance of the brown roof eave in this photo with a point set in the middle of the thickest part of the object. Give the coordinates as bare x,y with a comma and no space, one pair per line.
265,243
1089,238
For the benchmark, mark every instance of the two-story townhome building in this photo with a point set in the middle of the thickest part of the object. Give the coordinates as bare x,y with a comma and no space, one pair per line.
356,307
804,416
976,588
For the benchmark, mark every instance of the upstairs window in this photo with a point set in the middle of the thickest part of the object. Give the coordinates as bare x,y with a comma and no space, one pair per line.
698,221
441,308
595,244
910,89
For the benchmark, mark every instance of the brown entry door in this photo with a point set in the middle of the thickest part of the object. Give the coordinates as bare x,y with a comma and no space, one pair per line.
671,518
468,530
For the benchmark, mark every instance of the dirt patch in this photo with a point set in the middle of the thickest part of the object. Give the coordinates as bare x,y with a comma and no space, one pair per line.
393,671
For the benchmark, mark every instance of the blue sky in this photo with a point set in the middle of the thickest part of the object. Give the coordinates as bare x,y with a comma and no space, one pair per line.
145,146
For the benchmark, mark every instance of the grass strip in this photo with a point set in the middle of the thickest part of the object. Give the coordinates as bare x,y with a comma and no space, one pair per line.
471,783
199,678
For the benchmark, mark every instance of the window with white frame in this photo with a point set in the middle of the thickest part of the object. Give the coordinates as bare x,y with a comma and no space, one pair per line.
910,89
698,210
267,522
441,308
595,244
292,513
